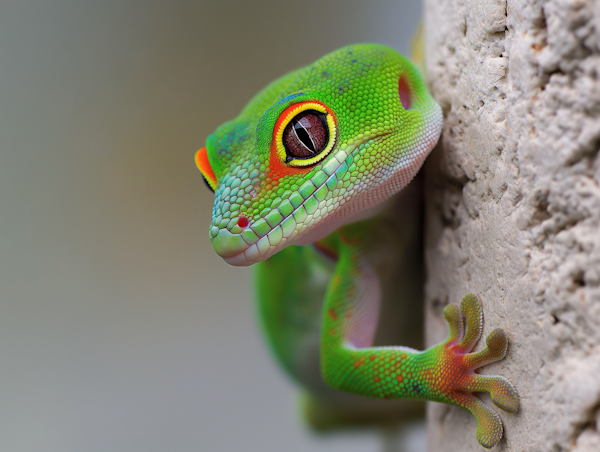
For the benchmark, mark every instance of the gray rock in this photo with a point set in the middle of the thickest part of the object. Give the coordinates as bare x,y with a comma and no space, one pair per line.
513,209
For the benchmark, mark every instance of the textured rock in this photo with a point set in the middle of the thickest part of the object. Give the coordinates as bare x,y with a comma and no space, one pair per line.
513,209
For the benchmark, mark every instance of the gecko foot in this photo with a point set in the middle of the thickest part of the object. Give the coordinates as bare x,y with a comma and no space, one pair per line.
459,380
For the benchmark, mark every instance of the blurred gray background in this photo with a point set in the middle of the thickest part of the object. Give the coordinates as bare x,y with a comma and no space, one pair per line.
120,329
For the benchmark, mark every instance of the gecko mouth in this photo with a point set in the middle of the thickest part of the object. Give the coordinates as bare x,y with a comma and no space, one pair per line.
290,221
243,259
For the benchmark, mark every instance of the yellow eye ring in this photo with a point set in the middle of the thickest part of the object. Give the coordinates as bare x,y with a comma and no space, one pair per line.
287,116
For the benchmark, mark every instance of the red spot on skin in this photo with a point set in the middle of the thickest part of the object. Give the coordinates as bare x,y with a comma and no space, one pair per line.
376,379
359,362
400,378
404,93
350,240
372,357
333,314
243,222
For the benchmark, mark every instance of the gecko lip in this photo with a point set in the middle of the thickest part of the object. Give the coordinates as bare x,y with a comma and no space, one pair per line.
237,252
238,260
251,255
227,244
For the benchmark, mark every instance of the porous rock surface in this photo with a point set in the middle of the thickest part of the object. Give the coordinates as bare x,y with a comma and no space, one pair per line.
513,209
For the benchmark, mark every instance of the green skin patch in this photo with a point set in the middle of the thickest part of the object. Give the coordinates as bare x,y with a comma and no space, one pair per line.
316,150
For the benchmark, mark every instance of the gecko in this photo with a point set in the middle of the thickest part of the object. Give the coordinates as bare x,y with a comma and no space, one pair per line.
306,181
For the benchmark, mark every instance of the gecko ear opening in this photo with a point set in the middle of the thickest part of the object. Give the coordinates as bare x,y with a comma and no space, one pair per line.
203,165
404,93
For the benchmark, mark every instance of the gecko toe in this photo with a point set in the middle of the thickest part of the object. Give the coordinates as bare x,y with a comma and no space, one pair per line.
471,308
489,426
455,322
501,391
504,395
497,344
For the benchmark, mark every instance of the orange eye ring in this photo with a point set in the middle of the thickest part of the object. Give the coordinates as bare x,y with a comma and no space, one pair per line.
290,113
203,165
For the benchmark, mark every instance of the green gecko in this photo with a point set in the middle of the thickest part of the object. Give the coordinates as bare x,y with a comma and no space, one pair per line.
314,159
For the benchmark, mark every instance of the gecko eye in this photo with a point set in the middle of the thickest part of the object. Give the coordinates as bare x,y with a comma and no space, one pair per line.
203,164
305,133
207,184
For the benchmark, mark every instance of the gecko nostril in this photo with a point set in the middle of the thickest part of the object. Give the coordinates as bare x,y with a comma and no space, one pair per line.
243,222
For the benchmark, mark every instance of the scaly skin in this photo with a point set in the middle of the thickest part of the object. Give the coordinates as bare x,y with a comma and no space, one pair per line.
380,124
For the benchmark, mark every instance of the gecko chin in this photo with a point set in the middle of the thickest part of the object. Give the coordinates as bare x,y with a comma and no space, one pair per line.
241,260
237,252
242,250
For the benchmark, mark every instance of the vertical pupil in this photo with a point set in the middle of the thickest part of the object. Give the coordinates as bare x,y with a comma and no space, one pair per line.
306,135
301,128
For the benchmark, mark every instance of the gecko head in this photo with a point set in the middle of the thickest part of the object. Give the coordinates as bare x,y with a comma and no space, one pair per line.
316,149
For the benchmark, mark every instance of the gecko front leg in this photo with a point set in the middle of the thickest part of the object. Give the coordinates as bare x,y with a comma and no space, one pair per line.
442,373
